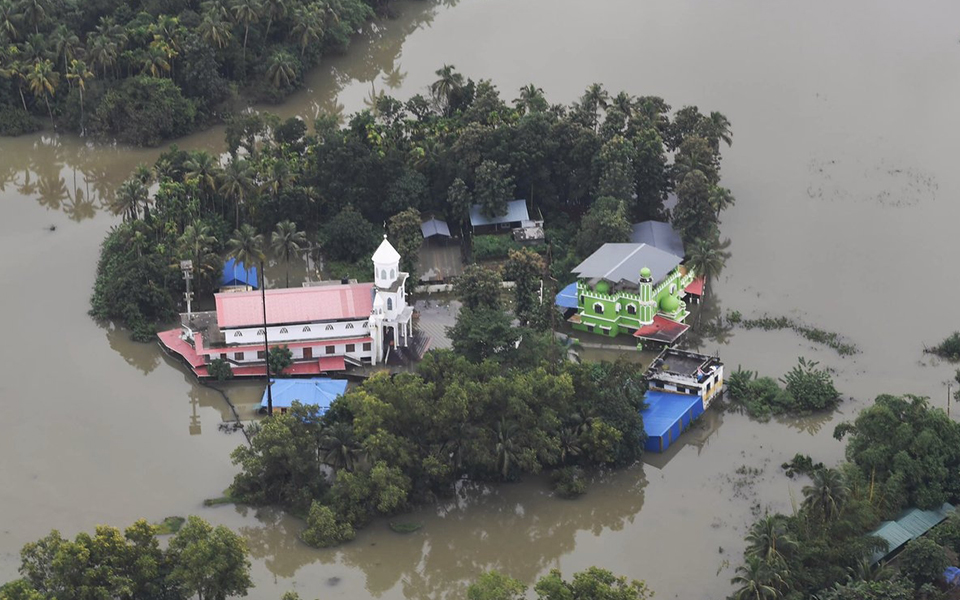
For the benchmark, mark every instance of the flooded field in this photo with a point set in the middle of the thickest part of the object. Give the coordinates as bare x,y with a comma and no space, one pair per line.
844,168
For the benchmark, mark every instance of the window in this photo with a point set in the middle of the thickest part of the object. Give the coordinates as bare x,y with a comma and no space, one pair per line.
306,328
631,309
260,332
328,328
349,326
673,289
237,334
366,325
308,352
238,356
223,357
389,303
351,347
261,354
284,330
331,349
581,298
598,308
392,274
383,274
366,346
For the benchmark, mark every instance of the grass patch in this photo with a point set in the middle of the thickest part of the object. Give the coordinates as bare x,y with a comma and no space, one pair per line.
407,527
814,334
170,525
226,498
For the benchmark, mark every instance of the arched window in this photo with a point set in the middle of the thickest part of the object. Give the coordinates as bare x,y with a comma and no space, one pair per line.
389,303
260,332
632,309
383,273
392,274
366,325
598,308
306,328
284,330
328,328
673,289
237,334
349,326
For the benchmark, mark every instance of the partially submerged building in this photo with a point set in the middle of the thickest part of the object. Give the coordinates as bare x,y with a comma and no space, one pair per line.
326,326
321,391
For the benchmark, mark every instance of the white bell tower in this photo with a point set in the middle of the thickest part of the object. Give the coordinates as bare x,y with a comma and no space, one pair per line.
390,308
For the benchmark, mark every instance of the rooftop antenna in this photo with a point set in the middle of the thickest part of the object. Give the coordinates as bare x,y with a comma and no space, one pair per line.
187,267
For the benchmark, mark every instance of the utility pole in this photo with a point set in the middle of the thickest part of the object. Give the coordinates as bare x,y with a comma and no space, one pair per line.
949,387
266,346
187,267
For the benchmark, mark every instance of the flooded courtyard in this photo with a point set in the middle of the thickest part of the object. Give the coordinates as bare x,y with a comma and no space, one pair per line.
844,168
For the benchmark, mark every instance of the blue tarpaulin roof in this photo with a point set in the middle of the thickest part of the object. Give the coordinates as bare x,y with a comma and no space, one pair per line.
234,273
321,391
665,409
516,212
434,227
567,298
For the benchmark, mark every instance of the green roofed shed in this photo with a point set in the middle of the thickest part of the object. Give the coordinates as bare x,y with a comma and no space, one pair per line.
910,525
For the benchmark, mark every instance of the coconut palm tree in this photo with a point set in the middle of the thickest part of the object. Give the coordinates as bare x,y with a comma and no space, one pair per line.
66,45
79,74
102,51
594,99
11,67
274,9
246,245
339,446
706,258
237,180
754,578
282,69
197,243
531,99
826,495
286,242
769,539
203,167
130,195
716,129
155,61
308,27
720,199
449,83
10,19
507,450
43,80
214,30
246,13
34,12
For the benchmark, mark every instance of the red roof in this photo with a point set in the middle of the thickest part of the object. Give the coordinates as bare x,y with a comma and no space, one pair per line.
695,287
171,339
661,330
295,305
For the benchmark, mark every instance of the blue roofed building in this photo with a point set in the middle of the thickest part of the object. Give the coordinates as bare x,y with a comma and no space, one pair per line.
321,391
236,277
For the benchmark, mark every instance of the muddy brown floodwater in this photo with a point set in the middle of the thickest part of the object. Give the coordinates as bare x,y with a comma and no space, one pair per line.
844,168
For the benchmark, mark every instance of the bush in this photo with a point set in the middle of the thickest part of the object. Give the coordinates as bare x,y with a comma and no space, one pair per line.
143,111
949,348
492,247
812,388
15,121
923,561
807,389
568,482
947,534
324,529
279,358
220,369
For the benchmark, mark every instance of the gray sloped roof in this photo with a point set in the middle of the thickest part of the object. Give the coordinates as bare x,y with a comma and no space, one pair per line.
434,227
910,525
659,235
516,212
622,262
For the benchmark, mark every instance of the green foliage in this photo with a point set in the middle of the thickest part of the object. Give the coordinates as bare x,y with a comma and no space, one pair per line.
814,334
949,348
404,228
279,358
811,388
493,187
807,389
348,236
483,333
947,534
170,525
220,369
14,121
605,222
568,482
494,585
210,562
324,529
526,269
923,561
590,584
492,247
870,590
143,111
479,287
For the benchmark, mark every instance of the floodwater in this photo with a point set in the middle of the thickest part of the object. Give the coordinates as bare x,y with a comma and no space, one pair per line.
844,168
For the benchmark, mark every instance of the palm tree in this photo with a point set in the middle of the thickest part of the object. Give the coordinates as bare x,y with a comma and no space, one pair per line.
275,9
203,167
103,51
625,103
286,242
43,80
65,44
754,579
78,73
826,495
197,243
246,13
34,11
592,101
716,129
720,199
531,99
706,258
339,446
155,61
769,540
12,68
308,27
282,70
9,19
506,448
449,83
130,195
237,181
143,173
246,246
214,30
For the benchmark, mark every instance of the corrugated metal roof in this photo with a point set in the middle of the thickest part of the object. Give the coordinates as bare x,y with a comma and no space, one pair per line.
434,227
910,525
234,273
516,212
664,410
567,298
659,235
622,262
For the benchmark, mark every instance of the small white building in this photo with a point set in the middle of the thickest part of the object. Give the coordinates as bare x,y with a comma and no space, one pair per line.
325,326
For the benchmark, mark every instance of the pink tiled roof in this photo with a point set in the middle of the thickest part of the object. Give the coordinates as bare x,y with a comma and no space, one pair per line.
295,305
